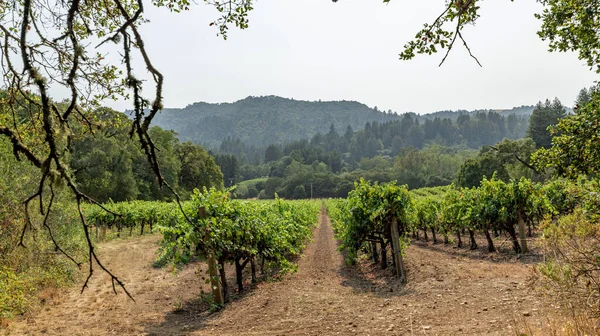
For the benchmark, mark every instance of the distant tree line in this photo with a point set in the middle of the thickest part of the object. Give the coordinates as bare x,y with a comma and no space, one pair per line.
472,130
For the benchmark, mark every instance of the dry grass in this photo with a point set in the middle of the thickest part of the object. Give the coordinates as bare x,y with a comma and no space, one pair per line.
570,323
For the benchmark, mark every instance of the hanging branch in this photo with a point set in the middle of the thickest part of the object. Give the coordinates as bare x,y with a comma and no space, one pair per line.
435,36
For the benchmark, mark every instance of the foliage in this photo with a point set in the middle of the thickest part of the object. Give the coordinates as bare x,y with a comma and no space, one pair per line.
15,294
544,116
107,165
432,166
567,25
438,35
572,25
238,128
246,119
63,47
508,159
575,147
198,168
572,267
212,223
368,212
25,271
494,205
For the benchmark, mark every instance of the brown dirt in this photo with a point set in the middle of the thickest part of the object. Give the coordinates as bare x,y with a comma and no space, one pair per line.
450,292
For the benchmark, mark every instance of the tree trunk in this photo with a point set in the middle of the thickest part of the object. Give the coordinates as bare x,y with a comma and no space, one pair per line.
215,284
522,234
416,234
239,275
253,270
513,235
446,241
529,224
460,244
131,231
142,229
425,235
473,242
224,284
398,262
433,235
383,260
374,253
491,247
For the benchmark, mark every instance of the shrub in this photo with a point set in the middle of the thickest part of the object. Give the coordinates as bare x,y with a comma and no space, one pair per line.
572,267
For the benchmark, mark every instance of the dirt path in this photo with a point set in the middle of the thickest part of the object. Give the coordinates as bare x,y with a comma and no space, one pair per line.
449,293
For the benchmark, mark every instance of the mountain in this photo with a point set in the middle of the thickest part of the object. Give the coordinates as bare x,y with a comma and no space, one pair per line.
261,121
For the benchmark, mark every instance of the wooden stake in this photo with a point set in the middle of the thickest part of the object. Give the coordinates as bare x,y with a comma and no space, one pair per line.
215,284
399,264
522,233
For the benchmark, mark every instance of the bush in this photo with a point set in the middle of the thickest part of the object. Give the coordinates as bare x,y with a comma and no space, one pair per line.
299,192
252,192
23,271
572,268
14,296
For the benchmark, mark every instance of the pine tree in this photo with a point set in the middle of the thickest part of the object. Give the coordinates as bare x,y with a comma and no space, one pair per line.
544,115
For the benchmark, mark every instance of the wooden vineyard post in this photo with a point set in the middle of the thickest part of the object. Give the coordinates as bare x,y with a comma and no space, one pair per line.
215,284
396,247
522,234
213,272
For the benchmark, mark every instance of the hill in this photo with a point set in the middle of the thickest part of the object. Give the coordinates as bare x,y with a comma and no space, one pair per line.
261,121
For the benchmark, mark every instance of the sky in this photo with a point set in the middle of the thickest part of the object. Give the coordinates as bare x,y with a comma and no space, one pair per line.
316,49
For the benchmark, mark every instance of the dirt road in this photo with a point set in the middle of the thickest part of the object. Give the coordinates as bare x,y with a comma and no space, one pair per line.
450,292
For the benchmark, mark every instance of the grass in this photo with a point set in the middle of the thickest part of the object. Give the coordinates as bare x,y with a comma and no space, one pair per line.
252,182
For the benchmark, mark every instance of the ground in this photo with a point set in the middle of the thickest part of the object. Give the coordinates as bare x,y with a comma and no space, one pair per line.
450,292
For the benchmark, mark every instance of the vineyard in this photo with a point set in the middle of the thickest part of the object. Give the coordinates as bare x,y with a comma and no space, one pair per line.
265,235
235,243
375,219
369,218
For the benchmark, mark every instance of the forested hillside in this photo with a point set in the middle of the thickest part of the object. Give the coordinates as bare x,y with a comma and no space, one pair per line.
261,121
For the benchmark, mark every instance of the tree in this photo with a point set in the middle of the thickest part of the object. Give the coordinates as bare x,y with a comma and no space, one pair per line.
584,96
230,168
103,170
273,153
543,116
508,159
198,168
576,149
572,26
299,192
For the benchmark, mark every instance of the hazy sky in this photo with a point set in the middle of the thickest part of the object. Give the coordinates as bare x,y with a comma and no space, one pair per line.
316,49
